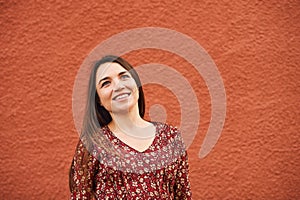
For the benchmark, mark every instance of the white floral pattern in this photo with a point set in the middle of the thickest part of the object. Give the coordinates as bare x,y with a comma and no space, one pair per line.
160,172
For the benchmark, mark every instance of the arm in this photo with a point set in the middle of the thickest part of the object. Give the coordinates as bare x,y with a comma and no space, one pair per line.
182,186
83,168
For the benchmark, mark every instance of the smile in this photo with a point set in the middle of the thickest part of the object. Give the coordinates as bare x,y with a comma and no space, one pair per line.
121,96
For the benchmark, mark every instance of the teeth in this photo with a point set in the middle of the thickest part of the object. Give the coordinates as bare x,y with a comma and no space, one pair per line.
122,96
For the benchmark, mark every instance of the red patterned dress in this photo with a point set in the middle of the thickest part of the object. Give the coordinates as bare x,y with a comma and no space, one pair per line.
160,172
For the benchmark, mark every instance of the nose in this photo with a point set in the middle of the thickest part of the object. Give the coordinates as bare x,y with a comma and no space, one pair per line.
118,85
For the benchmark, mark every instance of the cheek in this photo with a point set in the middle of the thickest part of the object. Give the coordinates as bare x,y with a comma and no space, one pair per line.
132,85
136,92
104,95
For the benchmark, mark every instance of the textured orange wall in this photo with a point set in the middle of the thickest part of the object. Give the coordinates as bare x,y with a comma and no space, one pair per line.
255,45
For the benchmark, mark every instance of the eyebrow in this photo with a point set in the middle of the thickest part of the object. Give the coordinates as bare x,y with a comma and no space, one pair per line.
105,78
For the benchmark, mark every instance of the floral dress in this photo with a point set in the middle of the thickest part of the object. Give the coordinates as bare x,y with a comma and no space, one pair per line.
159,172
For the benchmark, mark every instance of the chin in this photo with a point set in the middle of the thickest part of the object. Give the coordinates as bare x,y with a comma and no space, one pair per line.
122,109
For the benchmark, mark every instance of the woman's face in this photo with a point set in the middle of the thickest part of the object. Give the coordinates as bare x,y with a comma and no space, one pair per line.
116,88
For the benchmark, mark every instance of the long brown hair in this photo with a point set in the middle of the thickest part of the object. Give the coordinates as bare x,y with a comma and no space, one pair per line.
96,116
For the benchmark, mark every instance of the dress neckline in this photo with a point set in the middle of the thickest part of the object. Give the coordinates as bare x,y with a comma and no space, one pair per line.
123,144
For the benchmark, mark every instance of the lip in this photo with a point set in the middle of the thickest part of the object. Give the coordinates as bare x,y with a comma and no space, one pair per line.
115,97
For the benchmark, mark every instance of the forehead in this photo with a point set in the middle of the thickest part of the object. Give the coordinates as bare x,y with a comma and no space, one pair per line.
108,69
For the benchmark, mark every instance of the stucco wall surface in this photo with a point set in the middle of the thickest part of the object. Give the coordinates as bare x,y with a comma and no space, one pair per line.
255,45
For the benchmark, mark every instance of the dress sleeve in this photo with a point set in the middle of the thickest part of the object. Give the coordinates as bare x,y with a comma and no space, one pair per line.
182,186
83,168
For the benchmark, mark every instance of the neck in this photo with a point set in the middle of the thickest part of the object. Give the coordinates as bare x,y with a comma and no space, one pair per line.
128,121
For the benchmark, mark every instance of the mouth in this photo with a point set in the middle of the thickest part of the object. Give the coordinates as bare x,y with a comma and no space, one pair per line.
122,96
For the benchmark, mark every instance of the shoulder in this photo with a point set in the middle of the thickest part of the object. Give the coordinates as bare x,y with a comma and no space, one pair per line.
170,139
169,135
167,130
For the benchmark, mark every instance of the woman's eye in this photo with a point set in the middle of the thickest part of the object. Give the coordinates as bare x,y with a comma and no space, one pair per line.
105,83
125,76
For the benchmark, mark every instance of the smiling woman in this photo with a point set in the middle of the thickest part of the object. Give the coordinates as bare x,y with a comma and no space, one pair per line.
116,88
120,155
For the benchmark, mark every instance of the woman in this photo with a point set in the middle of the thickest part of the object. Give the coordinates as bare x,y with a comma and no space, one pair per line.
120,155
